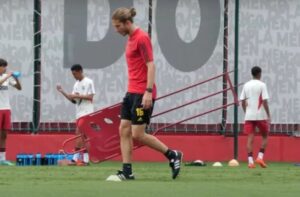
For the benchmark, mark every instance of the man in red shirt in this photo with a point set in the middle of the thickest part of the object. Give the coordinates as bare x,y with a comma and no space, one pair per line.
138,102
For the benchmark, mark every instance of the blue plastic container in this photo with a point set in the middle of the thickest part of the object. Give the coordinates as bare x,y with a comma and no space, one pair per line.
16,74
38,159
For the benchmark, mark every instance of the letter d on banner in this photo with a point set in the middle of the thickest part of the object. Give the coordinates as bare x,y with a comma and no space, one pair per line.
77,49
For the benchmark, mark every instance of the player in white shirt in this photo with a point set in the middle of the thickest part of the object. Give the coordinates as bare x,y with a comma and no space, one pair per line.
82,96
254,99
6,79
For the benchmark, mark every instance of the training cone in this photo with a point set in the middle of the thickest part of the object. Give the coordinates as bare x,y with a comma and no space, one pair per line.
217,164
113,178
233,163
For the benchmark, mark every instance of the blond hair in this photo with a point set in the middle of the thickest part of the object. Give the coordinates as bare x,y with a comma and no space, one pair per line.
124,14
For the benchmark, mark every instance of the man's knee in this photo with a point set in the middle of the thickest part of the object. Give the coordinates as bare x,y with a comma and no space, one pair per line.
138,133
125,130
138,136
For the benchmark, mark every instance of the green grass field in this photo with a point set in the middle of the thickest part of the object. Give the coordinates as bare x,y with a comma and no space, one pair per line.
152,179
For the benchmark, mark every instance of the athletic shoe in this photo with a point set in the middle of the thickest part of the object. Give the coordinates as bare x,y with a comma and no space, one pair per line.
251,165
77,163
175,163
6,163
261,163
123,176
81,163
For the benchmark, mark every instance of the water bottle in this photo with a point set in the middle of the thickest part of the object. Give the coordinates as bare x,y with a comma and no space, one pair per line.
51,159
38,159
23,159
69,157
30,159
47,159
60,156
16,74
19,160
55,159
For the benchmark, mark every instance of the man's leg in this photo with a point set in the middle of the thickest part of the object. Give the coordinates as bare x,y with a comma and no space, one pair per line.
126,145
5,126
78,146
264,128
3,161
263,146
250,140
138,133
260,156
264,141
3,136
175,157
80,143
249,127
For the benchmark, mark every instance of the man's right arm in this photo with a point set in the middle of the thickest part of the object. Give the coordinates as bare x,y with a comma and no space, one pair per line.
266,106
265,97
243,99
244,105
59,88
5,78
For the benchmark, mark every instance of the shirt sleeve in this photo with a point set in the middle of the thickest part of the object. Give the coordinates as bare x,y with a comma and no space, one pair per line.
91,89
265,95
145,49
74,88
12,81
243,94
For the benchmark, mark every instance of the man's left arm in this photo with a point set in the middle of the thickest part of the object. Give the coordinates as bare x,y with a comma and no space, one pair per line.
147,98
145,48
265,97
18,84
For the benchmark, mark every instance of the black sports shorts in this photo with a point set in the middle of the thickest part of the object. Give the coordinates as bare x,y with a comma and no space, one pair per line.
133,110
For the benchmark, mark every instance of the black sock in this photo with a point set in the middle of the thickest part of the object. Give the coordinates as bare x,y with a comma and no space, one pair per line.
127,168
169,154
262,150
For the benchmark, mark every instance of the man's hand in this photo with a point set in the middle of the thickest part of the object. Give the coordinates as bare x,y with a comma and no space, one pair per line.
59,88
9,74
147,100
269,119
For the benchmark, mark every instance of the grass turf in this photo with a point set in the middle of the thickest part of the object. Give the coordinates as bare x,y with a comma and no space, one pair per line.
152,179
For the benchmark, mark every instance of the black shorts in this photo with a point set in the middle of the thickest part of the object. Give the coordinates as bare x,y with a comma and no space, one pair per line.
133,110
